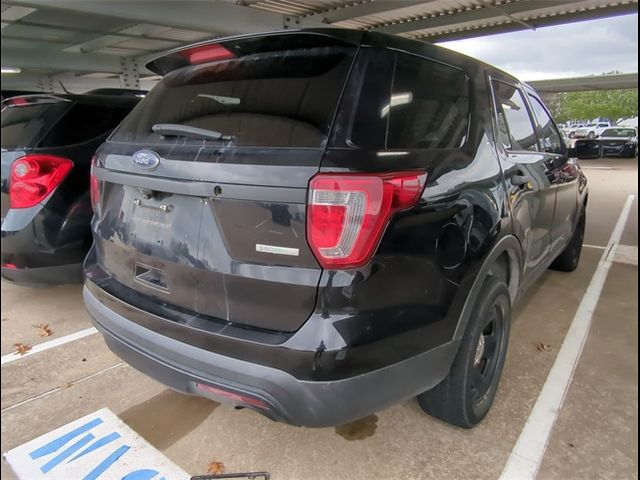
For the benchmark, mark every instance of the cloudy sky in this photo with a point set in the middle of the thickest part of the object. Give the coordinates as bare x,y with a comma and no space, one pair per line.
576,49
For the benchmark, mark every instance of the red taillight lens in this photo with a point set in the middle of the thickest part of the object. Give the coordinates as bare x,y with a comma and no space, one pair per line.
348,213
94,188
94,191
34,177
206,53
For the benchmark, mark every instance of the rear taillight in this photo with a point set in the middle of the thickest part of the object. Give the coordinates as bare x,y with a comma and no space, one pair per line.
34,177
348,213
94,187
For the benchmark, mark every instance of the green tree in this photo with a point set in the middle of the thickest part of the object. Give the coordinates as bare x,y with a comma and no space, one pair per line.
612,104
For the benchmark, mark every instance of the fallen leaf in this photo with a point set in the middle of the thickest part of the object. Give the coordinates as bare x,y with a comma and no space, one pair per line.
215,468
572,445
43,330
21,348
543,347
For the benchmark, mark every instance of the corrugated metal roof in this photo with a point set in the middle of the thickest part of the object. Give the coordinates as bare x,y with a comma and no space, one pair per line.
298,7
530,16
408,14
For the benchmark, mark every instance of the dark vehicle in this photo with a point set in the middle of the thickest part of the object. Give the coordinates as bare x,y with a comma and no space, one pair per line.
47,145
319,223
621,141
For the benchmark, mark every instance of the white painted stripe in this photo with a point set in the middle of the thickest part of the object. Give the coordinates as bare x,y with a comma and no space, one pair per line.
527,454
599,247
41,347
63,387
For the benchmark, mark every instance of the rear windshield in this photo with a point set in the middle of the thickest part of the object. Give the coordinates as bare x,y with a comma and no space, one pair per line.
24,125
619,132
281,98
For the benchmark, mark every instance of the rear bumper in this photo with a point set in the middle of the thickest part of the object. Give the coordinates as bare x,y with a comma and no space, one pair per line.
277,394
61,274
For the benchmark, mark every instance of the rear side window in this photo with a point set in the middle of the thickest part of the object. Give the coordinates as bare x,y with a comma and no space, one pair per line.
549,137
268,99
84,122
23,125
429,105
514,122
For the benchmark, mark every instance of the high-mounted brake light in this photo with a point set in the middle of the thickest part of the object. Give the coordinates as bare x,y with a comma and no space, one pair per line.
347,213
34,177
206,53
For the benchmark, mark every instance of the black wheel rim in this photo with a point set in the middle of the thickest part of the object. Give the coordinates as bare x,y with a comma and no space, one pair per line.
489,350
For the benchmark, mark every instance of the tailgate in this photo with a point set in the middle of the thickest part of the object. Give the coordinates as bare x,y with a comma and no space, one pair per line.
231,251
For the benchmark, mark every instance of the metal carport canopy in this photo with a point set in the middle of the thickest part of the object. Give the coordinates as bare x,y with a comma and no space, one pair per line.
593,82
88,44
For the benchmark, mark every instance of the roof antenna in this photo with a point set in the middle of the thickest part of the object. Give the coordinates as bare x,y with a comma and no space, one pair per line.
64,89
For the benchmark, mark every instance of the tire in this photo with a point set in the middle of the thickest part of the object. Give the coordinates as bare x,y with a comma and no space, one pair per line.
569,259
465,396
632,153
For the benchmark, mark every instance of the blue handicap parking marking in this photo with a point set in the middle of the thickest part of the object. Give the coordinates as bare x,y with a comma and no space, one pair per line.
67,453
98,446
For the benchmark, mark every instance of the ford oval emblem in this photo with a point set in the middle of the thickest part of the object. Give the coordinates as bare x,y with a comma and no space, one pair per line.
146,159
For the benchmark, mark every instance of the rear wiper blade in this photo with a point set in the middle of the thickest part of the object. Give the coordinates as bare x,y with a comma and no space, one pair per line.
178,130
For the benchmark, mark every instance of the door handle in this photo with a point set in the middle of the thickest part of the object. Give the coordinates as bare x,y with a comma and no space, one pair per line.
520,180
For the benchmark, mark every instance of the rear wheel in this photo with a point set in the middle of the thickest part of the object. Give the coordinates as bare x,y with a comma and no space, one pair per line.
466,395
568,260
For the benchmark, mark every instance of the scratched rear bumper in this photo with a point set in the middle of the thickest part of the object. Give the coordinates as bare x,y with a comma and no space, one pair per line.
308,403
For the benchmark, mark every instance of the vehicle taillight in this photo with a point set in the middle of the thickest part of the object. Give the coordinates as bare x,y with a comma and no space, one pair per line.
94,188
347,213
34,177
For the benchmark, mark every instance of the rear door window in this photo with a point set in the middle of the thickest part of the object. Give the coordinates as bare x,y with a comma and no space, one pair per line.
515,128
550,139
23,123
83,123
429,105
269,99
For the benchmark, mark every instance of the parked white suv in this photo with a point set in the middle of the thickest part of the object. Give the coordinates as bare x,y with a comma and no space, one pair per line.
592,130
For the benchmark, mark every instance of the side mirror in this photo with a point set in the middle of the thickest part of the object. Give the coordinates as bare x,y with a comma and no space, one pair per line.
586,149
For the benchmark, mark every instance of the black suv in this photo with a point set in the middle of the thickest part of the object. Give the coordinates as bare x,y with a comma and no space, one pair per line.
319,223
47,145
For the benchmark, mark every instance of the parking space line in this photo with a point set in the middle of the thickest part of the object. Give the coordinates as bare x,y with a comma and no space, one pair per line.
57,389
527,454
41,347
598,247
